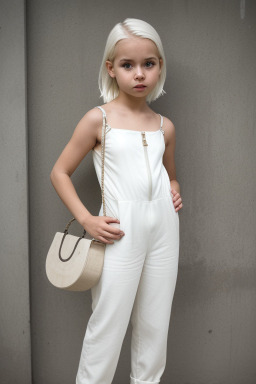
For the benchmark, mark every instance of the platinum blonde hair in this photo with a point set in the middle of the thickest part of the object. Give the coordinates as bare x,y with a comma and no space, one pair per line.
129,28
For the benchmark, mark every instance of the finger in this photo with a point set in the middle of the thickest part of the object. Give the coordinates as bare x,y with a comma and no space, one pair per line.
111,235
177,202
113,230
109,219
179,207
177,196
105,241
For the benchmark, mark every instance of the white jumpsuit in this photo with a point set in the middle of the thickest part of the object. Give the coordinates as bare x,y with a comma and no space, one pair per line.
140,270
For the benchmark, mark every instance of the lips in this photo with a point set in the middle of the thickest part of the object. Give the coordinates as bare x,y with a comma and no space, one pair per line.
140,86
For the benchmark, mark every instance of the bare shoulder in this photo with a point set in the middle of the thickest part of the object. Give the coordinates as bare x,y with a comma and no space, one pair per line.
168,125
92,119
169,130
89,127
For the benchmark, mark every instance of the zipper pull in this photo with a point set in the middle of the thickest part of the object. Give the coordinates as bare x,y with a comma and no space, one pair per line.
144,141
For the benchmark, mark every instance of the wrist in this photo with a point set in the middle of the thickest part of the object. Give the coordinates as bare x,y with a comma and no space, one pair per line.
175,185
85,219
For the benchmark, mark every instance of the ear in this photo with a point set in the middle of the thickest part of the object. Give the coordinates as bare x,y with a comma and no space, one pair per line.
160,65
110,68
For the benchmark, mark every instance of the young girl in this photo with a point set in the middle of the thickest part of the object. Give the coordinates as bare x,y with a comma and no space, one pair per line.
142,196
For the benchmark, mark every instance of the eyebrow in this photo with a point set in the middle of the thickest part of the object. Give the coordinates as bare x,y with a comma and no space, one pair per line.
149,58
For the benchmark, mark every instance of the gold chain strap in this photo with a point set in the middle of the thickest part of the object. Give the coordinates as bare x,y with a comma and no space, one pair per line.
103,161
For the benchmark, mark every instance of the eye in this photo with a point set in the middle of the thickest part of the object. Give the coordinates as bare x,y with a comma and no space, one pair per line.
149,64
127,66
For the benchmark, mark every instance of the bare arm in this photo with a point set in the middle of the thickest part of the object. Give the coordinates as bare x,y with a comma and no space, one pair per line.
169,161
82,141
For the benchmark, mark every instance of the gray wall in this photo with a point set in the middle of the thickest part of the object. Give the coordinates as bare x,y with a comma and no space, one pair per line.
15,361
210,49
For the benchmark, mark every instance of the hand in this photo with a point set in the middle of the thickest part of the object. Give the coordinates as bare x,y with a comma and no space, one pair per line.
177,200
99,228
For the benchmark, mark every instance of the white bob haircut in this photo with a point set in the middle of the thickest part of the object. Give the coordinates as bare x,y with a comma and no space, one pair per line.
128,28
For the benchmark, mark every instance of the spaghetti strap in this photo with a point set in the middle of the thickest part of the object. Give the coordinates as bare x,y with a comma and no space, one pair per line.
161,124
103,111
104,120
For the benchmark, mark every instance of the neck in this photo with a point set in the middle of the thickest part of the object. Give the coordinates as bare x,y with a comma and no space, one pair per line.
136,104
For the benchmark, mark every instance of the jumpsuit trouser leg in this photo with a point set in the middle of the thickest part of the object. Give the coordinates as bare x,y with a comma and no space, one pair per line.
137,283
152,307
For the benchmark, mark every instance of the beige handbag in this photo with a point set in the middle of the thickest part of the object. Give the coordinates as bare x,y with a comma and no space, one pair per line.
75,263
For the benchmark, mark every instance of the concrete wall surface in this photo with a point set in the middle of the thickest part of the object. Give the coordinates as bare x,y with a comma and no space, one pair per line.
210,97
15,353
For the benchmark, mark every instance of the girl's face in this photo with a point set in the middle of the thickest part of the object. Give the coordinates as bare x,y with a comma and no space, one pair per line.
136,66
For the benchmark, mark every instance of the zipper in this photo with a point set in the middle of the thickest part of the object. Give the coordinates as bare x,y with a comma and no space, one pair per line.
145,144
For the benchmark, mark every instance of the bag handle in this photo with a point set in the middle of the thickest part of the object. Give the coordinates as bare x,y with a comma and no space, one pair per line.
63,238
65,233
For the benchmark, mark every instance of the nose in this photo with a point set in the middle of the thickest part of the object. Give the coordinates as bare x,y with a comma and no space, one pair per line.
139,73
